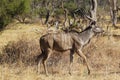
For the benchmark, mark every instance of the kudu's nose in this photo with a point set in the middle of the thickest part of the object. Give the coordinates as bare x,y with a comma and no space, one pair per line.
103,31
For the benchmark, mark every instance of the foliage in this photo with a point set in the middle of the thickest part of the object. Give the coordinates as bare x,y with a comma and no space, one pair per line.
59,11
70,6
20,9
41,11
11,8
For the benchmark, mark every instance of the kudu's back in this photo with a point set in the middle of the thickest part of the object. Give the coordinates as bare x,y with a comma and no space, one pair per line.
57,41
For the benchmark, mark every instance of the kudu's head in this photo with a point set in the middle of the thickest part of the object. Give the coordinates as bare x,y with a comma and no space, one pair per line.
96,29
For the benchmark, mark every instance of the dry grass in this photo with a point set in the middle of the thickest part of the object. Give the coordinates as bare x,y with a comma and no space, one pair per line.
14,31
19,47
28,73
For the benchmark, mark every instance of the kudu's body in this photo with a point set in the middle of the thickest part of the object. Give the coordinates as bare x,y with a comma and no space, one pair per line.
62,41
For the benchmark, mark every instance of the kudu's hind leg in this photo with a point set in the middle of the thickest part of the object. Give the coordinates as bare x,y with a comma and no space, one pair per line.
47,55
79,52
71,61
38,60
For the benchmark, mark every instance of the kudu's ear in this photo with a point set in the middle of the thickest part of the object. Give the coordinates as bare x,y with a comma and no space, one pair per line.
93,23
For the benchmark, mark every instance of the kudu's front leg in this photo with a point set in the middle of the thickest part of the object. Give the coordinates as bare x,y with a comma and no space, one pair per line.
80,53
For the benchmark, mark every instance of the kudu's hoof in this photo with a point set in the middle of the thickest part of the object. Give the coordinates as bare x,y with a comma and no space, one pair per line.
70,73
47,74
88,72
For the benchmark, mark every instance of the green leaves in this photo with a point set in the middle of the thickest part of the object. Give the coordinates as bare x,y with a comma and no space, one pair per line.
11,8
70,5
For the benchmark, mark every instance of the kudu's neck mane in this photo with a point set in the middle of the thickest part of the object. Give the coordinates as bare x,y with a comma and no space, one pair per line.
86,29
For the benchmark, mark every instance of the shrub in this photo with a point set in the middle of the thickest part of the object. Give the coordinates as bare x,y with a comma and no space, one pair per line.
70,6
10,9
21,51
59,11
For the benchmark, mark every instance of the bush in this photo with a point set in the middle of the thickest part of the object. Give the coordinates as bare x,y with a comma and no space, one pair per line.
22,51
70,6
10,9
59,11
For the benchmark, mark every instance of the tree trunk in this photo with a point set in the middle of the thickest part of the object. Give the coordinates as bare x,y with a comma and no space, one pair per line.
93,11
47,16
113,11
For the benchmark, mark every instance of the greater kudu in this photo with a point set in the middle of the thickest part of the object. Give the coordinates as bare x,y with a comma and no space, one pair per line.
62,41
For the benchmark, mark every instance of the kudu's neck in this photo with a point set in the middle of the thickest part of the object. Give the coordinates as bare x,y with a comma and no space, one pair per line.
86,35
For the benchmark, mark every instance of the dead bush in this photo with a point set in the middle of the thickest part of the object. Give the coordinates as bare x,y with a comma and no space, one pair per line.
23,51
